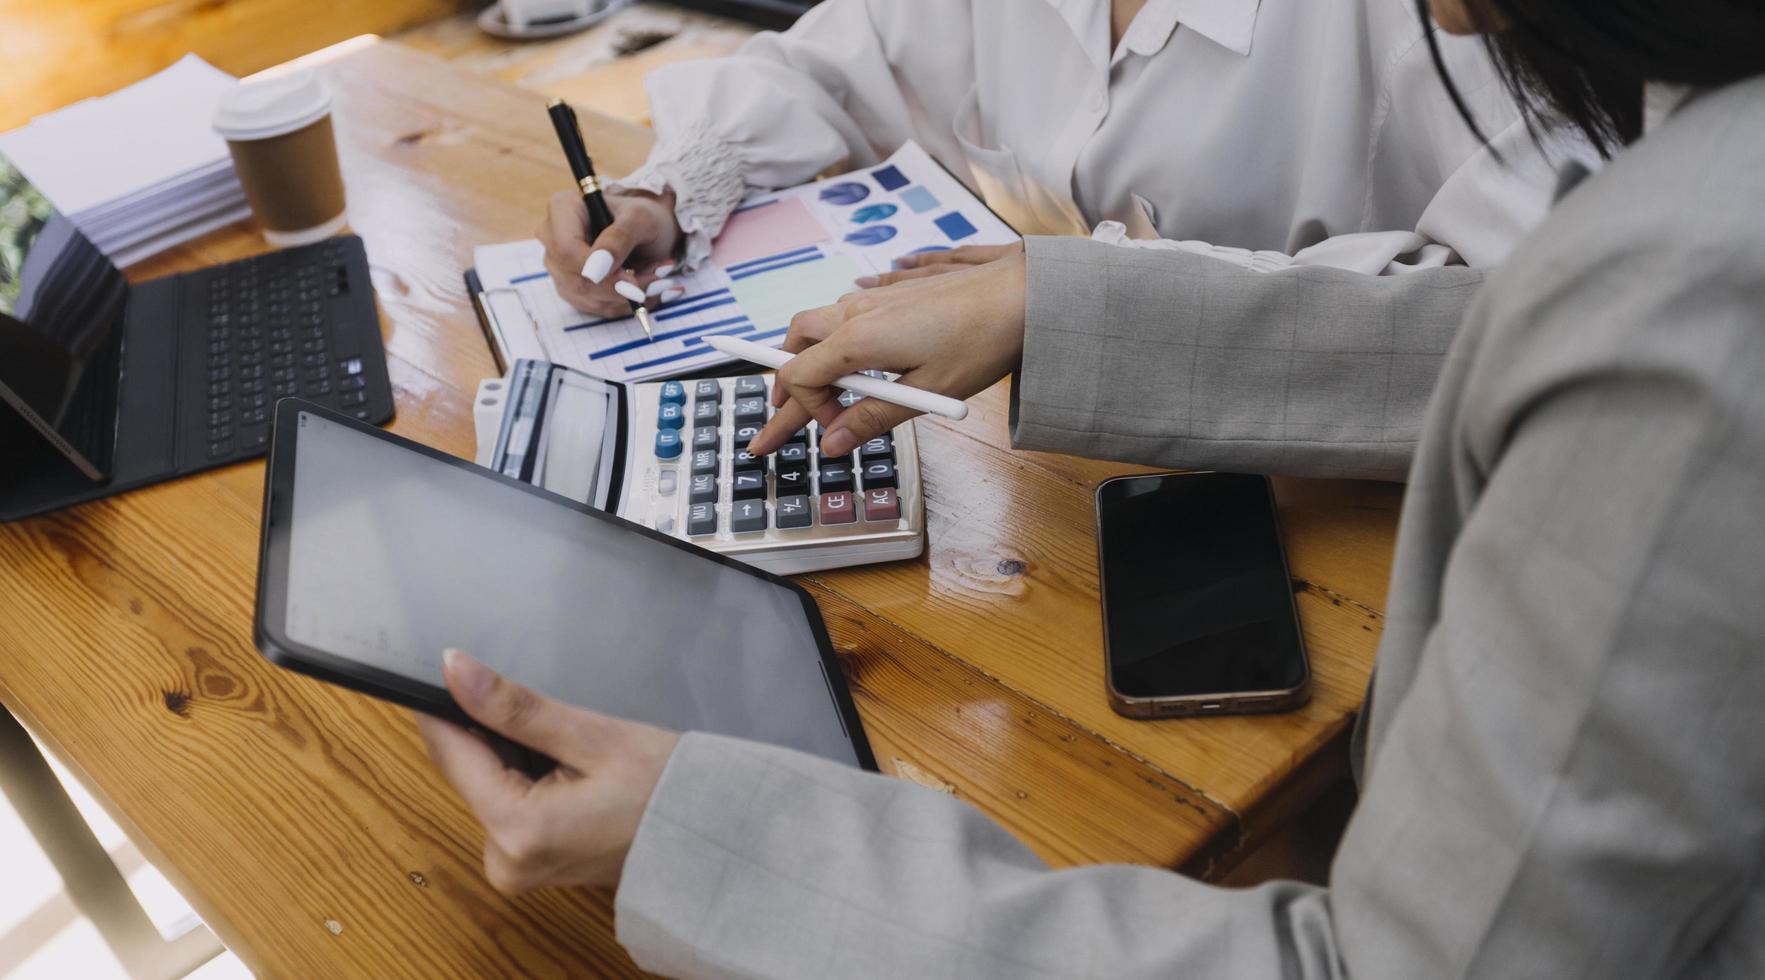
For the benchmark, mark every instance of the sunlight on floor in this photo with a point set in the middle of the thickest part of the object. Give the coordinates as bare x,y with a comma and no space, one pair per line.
42,934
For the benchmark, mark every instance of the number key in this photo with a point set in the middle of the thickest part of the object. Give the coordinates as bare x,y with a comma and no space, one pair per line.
792,454
879,474
836,477
791,480
745,460
882,447
748,486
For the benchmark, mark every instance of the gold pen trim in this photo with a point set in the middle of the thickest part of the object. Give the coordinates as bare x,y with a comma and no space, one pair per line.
590,184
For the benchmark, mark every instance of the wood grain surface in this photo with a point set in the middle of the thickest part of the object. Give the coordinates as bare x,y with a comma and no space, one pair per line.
304,822
61,51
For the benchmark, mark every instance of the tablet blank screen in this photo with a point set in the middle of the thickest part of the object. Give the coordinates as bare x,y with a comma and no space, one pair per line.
394,557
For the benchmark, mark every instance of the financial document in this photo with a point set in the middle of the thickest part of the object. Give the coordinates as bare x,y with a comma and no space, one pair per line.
781,252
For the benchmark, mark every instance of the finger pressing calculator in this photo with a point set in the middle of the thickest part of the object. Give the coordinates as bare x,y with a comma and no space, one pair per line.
670,455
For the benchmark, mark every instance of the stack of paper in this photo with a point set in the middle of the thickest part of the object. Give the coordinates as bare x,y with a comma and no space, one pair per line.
141,169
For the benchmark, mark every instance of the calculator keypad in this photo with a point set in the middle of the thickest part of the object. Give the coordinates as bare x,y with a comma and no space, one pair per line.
702,432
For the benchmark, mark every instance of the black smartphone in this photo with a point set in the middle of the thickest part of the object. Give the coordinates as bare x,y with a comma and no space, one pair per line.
1198,611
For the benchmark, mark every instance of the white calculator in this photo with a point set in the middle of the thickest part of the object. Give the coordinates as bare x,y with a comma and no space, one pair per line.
671,455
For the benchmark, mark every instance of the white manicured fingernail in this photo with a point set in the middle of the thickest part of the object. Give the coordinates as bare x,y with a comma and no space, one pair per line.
629,290
664,270
598,265
658,287
673,294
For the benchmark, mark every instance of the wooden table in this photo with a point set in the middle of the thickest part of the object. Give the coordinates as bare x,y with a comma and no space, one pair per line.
304,822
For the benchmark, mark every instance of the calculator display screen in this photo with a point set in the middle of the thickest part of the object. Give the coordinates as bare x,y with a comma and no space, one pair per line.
394,556
1197,599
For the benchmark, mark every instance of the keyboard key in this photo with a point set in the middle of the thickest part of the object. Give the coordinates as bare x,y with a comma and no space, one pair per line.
667,482
882,447
673,393
750,386
881,505
701,519
668,444
750,410
705,438
670,416
707,414
836,477
849,398
793,512
745,434
793,454
352,365
791,479
708,390
747,515
879,474
705,461
703,489
745,460
837,508
748,486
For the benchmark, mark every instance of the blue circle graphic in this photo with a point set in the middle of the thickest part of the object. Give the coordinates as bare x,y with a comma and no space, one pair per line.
872,235
845,193
873,212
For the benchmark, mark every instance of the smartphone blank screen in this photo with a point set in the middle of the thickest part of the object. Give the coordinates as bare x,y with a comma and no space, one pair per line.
1196,595
394,556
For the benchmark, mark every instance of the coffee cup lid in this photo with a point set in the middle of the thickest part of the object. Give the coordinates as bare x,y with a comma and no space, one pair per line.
269,107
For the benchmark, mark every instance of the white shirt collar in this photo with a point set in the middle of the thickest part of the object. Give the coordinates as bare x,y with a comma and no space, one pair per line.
1227,23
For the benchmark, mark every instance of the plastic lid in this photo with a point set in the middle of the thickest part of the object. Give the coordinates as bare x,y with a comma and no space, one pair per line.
273,106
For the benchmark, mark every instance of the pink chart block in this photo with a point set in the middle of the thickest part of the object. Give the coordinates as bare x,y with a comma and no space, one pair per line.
769,229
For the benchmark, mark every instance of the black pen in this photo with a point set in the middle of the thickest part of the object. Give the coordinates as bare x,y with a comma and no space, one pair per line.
582,168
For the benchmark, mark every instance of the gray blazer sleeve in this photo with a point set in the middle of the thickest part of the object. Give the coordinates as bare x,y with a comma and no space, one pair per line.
1174,359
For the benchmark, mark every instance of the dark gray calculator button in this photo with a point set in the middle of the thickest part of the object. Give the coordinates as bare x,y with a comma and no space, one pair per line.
704,489
792,453
800,436
793,512
879,474
745,460
748,486
701,519
708,390
750,410
705,438
745,434
828,460
704,461
836,477
707,413
882,447
792,479
747,515
750,386
849,398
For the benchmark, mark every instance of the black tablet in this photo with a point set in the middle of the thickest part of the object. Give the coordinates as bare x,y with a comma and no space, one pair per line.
379,553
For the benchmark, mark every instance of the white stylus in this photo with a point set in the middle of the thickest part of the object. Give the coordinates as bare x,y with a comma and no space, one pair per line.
906,396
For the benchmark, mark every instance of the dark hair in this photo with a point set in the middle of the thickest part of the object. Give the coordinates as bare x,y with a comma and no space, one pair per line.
1584,62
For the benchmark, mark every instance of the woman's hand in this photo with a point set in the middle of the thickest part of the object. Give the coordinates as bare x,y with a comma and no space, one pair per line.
954,334
573,827
643,233
922,264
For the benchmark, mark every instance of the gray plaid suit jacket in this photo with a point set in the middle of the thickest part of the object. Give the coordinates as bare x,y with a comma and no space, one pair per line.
1565,749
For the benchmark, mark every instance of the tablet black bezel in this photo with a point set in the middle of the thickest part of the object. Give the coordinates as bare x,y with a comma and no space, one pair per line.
272,584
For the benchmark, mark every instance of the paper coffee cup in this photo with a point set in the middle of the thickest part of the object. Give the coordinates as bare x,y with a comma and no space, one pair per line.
279,132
